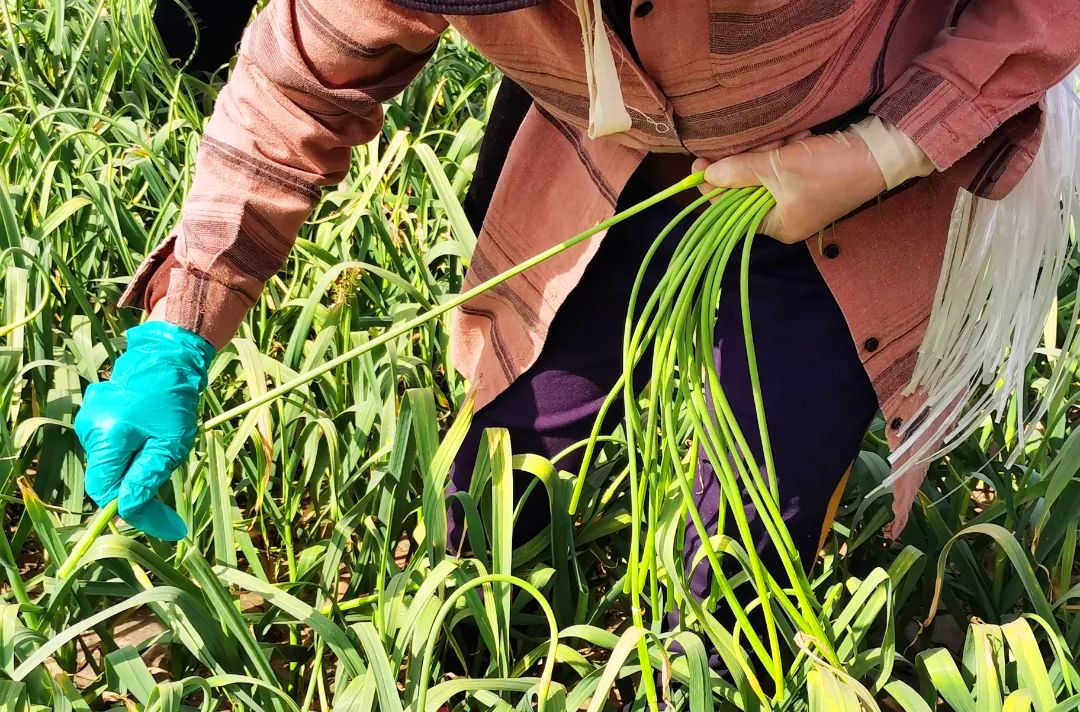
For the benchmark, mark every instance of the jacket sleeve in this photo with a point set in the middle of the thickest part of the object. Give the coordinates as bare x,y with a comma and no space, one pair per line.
307,87
972,99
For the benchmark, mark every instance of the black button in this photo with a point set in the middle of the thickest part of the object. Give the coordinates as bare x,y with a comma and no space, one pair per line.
832,251
895,423
872,344
643,9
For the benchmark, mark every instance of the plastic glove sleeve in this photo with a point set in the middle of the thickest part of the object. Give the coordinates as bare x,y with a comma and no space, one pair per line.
897,155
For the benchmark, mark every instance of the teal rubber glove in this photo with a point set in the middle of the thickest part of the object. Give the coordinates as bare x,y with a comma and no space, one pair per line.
139,426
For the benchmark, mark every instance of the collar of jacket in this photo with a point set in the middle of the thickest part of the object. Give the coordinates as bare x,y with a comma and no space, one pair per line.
607,111
466,7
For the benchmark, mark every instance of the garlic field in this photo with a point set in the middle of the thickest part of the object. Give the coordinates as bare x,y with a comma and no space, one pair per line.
315,575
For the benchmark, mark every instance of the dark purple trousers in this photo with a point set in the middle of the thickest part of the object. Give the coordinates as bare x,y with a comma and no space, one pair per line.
818,399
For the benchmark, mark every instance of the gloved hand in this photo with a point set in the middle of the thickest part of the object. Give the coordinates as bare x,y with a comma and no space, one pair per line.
817,180
139,426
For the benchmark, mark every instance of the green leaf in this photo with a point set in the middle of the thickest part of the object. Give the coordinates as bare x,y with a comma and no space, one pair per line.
127,673
12,696
940,676
459,224
1033,677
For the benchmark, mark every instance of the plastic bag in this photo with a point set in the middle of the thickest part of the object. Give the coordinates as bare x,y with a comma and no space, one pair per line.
1003,262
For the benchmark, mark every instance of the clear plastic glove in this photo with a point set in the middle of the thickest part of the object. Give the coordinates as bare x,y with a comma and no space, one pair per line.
139,426
816,180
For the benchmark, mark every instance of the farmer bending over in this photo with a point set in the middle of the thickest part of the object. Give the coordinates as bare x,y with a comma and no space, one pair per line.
861,116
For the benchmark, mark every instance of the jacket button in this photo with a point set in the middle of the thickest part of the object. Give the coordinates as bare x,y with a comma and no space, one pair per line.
895,423
643,9
872,344
832,251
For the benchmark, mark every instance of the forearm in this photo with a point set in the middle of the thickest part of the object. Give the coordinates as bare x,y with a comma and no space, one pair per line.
972,96
302,95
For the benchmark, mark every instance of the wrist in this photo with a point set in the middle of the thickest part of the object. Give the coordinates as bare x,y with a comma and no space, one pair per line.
164,340
215,323
898,157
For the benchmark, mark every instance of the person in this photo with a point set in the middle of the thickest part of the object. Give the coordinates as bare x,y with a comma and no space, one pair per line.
863,117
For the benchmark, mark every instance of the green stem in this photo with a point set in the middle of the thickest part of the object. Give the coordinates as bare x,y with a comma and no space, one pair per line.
408,326
94,529
18,586
77,56
553,640
20,70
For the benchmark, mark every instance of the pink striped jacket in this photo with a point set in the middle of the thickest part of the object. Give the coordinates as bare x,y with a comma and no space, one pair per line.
963,78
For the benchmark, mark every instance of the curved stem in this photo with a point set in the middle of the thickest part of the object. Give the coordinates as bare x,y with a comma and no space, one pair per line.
449,305
448,605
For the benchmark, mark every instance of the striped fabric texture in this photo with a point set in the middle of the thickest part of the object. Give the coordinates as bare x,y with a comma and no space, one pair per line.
964,79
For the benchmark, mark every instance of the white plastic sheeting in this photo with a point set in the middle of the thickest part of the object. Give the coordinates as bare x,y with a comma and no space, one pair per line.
1003,263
